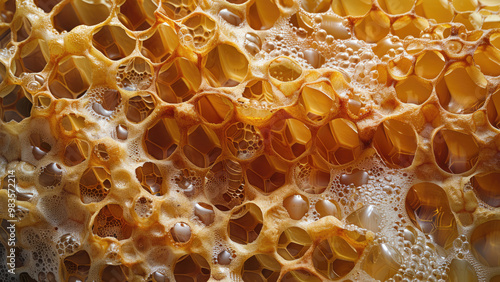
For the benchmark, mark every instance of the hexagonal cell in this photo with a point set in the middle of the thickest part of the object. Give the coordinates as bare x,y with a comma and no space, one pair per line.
338,141
114,273
162,138
462,90
328,208
95,184
260,90
191,267
351,7
441,11
135,74
290,138
312,174
409,26
400,67
203,146
488,60
139,107
34,56
367,217
160,46
149,176
261,268
383,262
296,205
202,29
76,152
243,140
413,89
284,69
178,81
493,109
15,105
39,147
396,7
180,232
262,14
334,258
50,175
214,108
224,185
113,42
245,224
77,266
267,173
429,64
71,78
486,188
205,213
317,100
484,241
293,243
225,66
47,5
373,27
21,28
455,152
107,102
178,9
428,208
137,14
300,275
396,143
461,270
78,12
109,222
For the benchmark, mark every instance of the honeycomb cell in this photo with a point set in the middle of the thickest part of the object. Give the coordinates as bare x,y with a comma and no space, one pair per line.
135,74
284,69
77,266
260,90
73,122
441,11
354,8
455,152
400,67
338,142
50,175
409,26
225,66
293,243
427,206
214,108
191,267
47,5
162,138
327,208
180,232
373,27
463,89
139,107
113,42
109,222
367,217
224,185
484,242
315,6
138,14
383,262
486,188
107,102
429,64
71,78
113,273
290,138
76,152
267,173
261,268
77,12
461,270
395,7
318,100
243,140
95,184
39,147
15,105
7,10
160,46
205,213
413,90
202,29
493,109
178,81
178,9
262,14
465,5
334,258
297,206
396,143
300,275
149,176
22,29
5,40
203,146
488,60
245,224
312,174
34,56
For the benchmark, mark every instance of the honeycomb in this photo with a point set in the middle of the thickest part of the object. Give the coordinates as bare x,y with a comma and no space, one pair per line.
250,140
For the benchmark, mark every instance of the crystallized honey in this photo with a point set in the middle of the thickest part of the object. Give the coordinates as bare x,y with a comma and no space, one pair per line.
250,140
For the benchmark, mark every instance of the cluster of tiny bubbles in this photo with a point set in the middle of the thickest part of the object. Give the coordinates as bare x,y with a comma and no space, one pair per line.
186,181
461,246
34,83
144,207
43,254
222,254
67,244
134,152
95,104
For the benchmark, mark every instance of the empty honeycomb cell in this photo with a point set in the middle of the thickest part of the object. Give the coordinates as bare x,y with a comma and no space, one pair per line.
15,105
396,142
409,26
373,27
293,243
290,138
77,266
338,142
39,147
454,151
135,74
113,273
224,185
396,7
149,176
427,206
300,275
382,262
191,267
95,184
202,29
180,232
76,152
354,8
262,14
34,56
162,138
245,224
109,222
461,270
260,90
214,108
203,146
5,39
465,5
138,14
22,28
261,268
113,42
139,107
484,242
231,16
413,89
328,208
486,188
297,206
225,66
440,11
284,69
50,175
312,174
7,10
77,12
73,122
161,44
318,100
334,258
107,102
47,5
267,173
178,81
71,78
315,6
178,9
462,90
400,67
488,60
205,213
243,140
429,64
